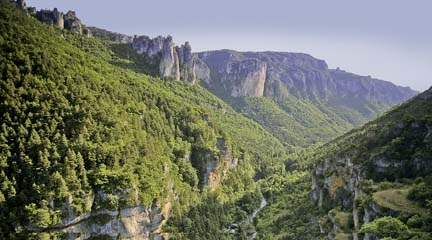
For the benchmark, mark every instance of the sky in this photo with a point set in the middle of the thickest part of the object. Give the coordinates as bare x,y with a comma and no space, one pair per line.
387,39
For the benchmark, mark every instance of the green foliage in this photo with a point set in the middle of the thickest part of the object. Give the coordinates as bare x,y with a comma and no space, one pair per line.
385,227
422,191
79,118
288,213
399,139
211,220
293,121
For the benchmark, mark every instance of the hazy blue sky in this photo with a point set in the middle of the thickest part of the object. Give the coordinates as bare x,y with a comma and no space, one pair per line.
387,39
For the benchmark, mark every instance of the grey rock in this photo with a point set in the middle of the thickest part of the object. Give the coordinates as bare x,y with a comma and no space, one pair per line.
21,3
58,18
68,21
72,22
174,61
229,75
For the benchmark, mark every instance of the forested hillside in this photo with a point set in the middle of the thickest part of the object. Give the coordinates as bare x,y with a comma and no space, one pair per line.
95,145
375,181
85,135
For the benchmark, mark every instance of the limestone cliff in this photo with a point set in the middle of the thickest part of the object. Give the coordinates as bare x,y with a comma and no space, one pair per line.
302,74
217,169
281,75
232,75
176,62
68,21
111,215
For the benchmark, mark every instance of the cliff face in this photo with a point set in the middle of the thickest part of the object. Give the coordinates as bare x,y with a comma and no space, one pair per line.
270,74
280,75
359,174
303,76
232,75
68,21
107,220
216,170
176,62
355,86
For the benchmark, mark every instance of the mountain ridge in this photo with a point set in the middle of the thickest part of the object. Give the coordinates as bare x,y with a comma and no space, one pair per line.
114,136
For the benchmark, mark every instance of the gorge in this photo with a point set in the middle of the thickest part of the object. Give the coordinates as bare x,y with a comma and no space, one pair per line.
109,136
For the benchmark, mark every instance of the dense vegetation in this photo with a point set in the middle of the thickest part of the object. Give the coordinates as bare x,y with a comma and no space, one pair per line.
294,121
78,118
400,135
84,117
391,158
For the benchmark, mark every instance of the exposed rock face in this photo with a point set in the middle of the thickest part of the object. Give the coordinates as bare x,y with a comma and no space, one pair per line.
135,222
53,17
119,221
303,75
202,71
337,184
279,74
229,74
73,23
217,169
21,3
58,18
186,63
126,222
148,46
176,62
67,21
355,86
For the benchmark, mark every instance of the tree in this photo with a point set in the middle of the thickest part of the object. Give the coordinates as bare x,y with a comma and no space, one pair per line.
385,227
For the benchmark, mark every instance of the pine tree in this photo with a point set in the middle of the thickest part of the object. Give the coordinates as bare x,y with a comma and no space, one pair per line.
72,180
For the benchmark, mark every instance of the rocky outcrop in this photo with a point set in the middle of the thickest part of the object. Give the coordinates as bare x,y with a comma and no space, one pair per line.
72,22
131,222
68,21
134,222
21,3
337,184
228,74
355,86
52,17
113,215
217,169
174,61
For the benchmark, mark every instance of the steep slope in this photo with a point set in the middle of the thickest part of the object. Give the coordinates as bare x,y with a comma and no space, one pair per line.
375,181
92,148
293,95
333,101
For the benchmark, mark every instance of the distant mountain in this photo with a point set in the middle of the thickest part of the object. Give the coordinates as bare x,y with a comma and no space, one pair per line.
302,88
293,95
279,74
